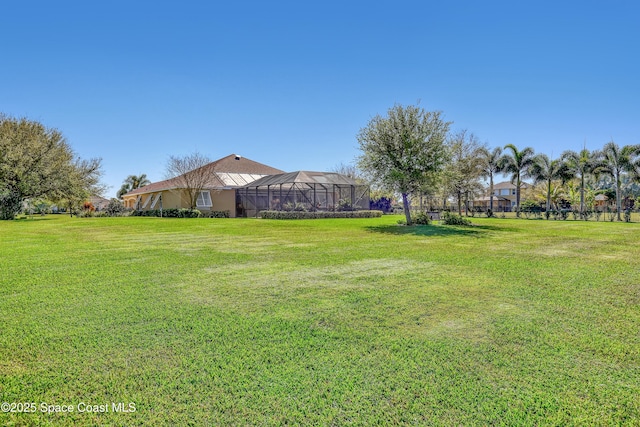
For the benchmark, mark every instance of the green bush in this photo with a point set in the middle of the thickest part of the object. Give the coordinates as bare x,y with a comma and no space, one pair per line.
115,208
10,204
218,214
318,215
344,205
421,218
452,219
170,213
189,213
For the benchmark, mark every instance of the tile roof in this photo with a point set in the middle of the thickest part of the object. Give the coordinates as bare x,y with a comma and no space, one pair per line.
230,171
508,184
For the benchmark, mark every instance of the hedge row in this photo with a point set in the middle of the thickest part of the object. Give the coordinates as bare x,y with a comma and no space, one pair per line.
182,213
217,214
317,215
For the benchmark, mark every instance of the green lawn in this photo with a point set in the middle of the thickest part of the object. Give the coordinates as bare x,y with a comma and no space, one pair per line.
320,322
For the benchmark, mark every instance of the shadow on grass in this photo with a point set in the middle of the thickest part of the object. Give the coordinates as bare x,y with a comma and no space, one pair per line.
428,230
477,231
496,228
31,218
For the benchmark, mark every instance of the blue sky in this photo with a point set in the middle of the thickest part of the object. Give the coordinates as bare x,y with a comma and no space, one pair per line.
290,83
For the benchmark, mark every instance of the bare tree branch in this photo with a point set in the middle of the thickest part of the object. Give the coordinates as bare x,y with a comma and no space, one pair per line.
191,173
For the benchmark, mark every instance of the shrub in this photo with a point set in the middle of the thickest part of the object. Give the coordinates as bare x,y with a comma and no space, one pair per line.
86,213
115,208
170,213
10,204
189,213
344,205
421,218
452,219
586,215
288,206
217,214
318,215
382,204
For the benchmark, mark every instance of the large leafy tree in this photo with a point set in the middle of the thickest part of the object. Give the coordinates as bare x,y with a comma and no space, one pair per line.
401,151
546,171
465,167
131,183
617,160
581,165
491,166
84,181
516,163
37,162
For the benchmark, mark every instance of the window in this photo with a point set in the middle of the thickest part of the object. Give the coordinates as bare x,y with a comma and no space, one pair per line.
204,200
504,192
513,192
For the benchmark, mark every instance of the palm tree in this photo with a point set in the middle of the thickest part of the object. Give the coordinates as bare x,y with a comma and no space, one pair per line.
490,167
517,163
545,170
131,183
616,161
581,164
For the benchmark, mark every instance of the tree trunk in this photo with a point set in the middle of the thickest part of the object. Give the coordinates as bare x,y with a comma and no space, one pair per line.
518,197
618,201
405,204
491,193
548,195
582,215
467,208
459,203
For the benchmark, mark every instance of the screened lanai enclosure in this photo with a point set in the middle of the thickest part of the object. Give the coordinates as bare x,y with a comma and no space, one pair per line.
302,191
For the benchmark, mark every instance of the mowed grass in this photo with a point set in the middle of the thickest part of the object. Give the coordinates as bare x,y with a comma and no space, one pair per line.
320,322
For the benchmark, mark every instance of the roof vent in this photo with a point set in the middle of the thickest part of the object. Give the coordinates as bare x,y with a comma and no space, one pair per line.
238,156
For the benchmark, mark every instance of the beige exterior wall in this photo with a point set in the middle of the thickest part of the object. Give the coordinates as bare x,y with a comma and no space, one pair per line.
174,199
222,200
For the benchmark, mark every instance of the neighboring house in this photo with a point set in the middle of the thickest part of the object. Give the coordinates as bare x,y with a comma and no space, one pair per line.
99,203
504,197
601,201
227,174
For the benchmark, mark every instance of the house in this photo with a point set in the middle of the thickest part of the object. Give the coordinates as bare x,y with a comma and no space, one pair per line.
504,197
99,203
227,174
601,201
